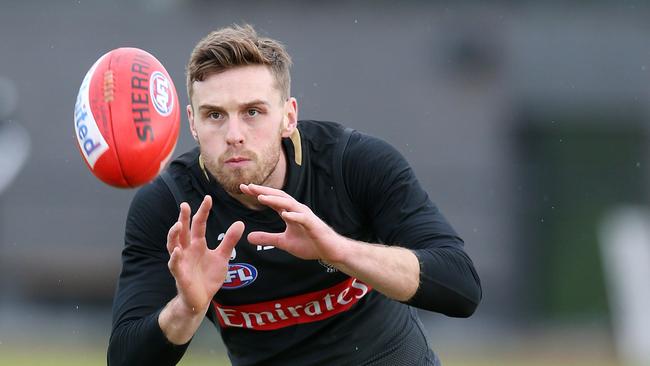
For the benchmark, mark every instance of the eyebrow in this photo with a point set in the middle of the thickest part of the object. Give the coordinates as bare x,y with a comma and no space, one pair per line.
253,103
256,103
210,107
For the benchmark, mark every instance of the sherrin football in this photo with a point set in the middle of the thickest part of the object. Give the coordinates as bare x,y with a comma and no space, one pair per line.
126,118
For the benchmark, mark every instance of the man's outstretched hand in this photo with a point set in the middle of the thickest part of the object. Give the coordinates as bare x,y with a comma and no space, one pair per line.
306,235
393,271
199,271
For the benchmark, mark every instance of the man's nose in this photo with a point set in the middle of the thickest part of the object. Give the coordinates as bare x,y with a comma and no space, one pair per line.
234,134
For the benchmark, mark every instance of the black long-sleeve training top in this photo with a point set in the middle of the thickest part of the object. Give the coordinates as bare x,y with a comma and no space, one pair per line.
275,308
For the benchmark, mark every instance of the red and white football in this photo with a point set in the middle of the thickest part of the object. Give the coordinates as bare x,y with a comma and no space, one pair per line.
127,118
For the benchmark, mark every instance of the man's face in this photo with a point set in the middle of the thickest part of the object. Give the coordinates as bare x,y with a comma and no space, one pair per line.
239,118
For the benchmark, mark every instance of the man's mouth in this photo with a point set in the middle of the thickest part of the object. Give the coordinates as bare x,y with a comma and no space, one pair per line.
237,161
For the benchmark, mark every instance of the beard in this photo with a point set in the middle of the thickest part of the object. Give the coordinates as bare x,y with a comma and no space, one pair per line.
258,171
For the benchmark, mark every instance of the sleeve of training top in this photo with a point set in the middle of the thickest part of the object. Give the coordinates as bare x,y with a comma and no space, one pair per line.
380,181
145,284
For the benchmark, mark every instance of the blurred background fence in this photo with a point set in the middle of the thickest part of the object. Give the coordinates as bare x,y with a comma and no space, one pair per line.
527,122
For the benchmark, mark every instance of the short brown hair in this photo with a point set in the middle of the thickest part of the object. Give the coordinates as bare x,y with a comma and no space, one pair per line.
235,46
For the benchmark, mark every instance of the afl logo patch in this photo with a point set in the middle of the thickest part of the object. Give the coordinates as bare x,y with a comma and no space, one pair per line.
239,275
161,94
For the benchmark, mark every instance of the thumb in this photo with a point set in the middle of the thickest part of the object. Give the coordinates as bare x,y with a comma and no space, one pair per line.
230,239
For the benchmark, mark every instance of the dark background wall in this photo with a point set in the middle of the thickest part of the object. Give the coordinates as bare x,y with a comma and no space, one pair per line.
511,113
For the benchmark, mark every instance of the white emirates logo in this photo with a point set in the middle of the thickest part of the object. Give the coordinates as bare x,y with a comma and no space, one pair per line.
305,308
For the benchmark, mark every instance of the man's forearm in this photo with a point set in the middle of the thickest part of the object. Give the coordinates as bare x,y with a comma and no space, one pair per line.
178,323
393,271
141,342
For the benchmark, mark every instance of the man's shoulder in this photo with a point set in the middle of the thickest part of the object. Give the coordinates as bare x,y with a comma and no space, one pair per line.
186,160
330,132
327,136
157,189
182,168
320,131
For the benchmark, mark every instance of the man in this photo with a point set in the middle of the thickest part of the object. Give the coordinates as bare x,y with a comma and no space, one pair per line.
282,252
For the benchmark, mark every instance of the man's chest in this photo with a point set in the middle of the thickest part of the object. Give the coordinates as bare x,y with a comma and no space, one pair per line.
263,272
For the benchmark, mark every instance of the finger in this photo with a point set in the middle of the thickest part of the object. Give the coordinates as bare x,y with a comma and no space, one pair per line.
200,218
172,237
296,217
281,204
246,190
174,260
264,238
233,234
184,219
257,190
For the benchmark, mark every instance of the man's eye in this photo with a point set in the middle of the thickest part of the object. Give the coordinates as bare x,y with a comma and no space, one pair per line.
214,115
253,112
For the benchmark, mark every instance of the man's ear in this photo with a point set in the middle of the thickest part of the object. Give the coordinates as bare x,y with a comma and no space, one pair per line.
190,118
290,119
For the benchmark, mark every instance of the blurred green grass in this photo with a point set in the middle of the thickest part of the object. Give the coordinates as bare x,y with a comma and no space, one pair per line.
91,357
60,356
